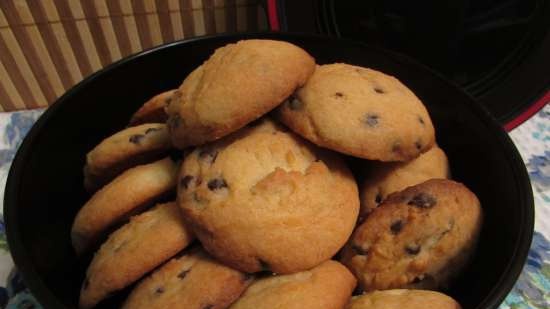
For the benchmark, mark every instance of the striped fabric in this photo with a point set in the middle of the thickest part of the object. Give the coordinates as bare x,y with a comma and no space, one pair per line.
46,46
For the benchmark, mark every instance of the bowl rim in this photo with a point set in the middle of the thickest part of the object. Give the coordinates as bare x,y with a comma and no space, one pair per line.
492,300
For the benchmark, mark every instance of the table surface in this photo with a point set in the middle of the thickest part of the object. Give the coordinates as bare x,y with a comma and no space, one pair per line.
532,139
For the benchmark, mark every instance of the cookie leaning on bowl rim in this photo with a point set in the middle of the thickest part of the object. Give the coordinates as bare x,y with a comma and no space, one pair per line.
148,240
360,112
421,237
125,149
239,83
129,192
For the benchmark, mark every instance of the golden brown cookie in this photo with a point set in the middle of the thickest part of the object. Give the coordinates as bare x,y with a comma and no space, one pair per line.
403,299
327,286
193,281
384,178
360,112
153,110
127,148
417,238
263,198
130,191
136,248
239,83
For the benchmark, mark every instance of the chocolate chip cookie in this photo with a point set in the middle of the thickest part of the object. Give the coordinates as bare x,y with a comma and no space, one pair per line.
403,299
127,148
153,110
130,191
360,112
239,83
263,198
417,238
192,281
384,178
327,286
136,248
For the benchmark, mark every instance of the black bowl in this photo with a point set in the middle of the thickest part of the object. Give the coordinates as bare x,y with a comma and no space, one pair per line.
44,189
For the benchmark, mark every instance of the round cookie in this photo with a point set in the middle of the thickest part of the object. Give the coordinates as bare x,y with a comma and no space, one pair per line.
136,248
129,192
193,281
153,110
239,83
384,178
125,149
360,112
417,238
265,199
403,299
327,286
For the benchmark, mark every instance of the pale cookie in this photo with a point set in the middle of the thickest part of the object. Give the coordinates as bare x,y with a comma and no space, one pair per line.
384,178
153,110
129,192
360,112
403,299
239,83
147,241
125,149
193,281
263,198
417,238
327,286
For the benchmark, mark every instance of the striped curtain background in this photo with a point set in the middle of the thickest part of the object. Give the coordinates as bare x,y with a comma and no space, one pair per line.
46,46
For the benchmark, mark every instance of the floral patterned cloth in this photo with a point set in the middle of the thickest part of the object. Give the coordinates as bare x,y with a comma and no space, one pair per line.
532,138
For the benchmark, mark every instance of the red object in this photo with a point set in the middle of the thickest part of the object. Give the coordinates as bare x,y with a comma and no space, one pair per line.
545,99
272,15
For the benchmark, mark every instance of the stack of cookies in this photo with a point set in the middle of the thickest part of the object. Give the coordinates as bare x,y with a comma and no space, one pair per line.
260,209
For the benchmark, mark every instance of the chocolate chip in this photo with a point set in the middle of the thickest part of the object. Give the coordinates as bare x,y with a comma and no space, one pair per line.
396,227
417,280
421,120
217,183
185,180
136,138
208,155
418,144
379,90
159,290
372,120
378,198
358,249
183,273
338,95
422,200
412,249
294,103
152,130
263,264
174,121
208,307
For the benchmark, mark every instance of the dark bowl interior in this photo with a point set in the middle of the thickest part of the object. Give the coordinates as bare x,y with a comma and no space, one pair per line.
44,189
